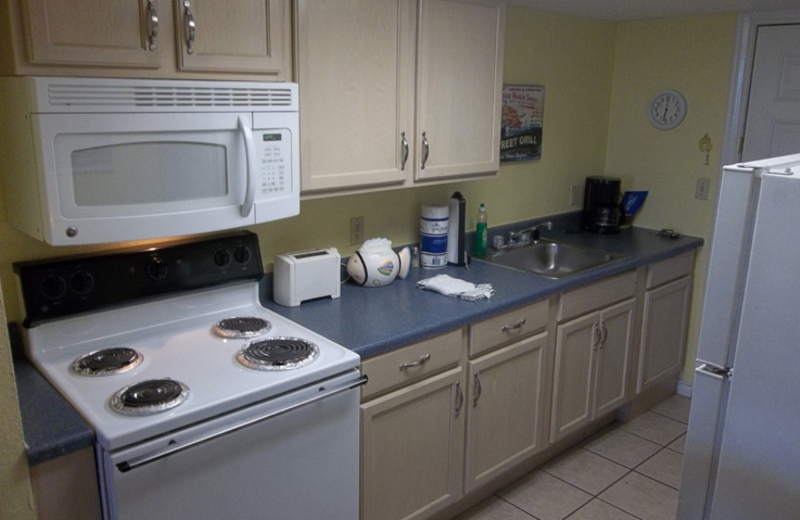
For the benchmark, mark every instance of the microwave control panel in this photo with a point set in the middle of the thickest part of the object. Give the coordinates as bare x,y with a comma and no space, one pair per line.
275,162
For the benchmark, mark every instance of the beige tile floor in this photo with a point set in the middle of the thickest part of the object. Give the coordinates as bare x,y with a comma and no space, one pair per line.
627,471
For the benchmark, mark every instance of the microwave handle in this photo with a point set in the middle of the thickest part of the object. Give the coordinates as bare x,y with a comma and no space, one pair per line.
250,185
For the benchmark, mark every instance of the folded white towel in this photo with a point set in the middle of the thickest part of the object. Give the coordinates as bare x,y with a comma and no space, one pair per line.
449,286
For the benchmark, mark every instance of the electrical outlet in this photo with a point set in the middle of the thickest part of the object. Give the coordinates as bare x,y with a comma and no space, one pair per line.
356,230
573,195
702,188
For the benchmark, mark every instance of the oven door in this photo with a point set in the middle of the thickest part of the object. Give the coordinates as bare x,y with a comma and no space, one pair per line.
292,457
115,177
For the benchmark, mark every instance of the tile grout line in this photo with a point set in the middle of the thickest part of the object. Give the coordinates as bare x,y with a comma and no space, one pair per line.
515,506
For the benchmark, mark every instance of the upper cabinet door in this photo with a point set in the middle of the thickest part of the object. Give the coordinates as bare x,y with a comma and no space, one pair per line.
356,75
460,80
243,36
93,32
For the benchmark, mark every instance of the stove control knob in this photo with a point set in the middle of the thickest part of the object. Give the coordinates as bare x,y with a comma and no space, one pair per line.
242,255
54,287
156,269
222,258
81,282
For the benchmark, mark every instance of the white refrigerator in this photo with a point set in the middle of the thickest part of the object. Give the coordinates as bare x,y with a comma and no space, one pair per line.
742,457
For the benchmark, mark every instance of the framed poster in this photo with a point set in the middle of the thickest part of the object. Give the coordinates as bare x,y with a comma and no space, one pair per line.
521,126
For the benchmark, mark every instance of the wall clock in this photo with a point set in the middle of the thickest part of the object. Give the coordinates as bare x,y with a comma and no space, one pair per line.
667,109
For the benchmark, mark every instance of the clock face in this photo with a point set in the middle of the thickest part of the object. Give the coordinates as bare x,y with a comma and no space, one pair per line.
667,109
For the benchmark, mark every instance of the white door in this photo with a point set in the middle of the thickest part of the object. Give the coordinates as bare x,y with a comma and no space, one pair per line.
772,126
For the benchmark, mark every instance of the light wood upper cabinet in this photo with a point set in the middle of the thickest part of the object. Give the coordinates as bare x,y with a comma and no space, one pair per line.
355,68
246,39
94,32
459,88
243,36
375,75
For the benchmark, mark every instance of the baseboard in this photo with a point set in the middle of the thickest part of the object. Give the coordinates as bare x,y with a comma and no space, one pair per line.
684,389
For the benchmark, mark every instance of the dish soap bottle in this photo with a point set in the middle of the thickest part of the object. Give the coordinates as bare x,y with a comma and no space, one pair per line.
481,232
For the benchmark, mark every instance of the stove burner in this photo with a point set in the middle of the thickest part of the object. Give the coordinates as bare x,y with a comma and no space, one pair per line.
242,327
106,362
279,353
149,397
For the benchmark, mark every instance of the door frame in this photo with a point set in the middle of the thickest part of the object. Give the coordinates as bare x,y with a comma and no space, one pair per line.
746,31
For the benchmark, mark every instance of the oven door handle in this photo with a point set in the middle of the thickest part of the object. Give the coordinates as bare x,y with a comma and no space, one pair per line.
160,454
250,170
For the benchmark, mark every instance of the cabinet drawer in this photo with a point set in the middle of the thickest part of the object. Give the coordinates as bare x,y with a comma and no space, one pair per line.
599,294
507,327
411,363
670,269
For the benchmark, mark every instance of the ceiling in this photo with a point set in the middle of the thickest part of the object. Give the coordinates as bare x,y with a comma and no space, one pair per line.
619,10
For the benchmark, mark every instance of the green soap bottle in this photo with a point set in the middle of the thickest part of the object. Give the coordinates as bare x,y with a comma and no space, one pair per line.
481,232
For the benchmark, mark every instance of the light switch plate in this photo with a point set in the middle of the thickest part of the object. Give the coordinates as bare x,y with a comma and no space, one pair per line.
702,188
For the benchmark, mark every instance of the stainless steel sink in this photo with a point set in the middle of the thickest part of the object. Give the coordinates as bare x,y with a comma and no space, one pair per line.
552,259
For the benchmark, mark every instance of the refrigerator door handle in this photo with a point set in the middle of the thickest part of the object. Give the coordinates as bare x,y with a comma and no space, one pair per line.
708,398
714,370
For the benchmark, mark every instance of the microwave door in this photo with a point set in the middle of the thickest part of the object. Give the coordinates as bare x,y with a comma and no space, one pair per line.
116,177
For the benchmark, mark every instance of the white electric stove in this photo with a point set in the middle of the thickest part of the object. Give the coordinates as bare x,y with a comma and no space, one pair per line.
170,357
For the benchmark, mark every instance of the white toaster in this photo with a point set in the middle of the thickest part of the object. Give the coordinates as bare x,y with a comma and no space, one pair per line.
306,275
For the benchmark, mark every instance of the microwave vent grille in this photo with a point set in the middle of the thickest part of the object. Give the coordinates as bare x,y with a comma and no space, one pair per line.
164,96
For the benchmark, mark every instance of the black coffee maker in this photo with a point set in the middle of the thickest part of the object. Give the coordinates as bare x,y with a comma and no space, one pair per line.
601,205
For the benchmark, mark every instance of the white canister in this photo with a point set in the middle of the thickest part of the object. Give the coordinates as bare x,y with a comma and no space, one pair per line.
433,225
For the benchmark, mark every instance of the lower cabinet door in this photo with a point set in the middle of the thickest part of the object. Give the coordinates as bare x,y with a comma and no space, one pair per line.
503,408
666,318
576,348
614,357
412,449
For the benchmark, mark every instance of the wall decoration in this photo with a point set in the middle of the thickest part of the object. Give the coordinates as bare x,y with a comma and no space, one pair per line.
667,109
522,121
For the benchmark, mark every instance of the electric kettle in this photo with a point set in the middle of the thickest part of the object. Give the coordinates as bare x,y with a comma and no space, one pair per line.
375,264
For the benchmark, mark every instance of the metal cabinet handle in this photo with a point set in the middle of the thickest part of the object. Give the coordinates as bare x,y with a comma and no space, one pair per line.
459,398
405,152
189,27
478,389
603,335
518,325
595,335
425,150
412,364
152,20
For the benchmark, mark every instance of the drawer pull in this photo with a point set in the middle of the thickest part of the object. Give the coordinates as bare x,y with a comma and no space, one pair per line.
413,364
516,326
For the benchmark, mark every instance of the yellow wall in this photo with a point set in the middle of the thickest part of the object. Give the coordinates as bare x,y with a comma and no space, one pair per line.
694,56
589,129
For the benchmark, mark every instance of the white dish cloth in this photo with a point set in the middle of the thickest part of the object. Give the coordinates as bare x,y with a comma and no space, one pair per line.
449,286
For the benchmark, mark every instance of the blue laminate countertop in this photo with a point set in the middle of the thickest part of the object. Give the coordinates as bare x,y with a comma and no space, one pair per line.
52,427
371,321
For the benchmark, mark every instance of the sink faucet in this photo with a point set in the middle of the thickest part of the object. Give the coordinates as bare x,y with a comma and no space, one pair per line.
527,235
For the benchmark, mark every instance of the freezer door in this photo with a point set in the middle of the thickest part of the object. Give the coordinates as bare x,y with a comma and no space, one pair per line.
728,258
759,458
708,396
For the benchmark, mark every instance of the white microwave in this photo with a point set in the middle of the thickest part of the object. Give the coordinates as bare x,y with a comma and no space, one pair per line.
97,160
